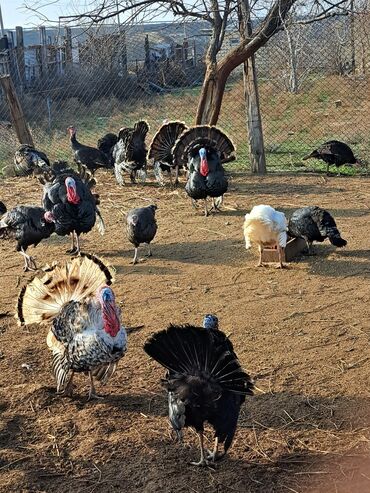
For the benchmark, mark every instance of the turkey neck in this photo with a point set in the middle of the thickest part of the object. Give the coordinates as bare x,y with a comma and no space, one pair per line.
74,143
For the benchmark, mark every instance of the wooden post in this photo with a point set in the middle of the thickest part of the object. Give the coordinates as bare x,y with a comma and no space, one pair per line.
68,47
254,122
16,112
20,56
44,53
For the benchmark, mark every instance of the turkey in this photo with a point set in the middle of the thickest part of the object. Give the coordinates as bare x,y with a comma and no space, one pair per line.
27,159
334,152
88,156
70,202
205,382
160,150
314,224
130,152
106,145
266,227
86,334
28,225
141,227
202,150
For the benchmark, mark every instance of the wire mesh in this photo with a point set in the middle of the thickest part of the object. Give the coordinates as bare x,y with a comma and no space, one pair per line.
313,85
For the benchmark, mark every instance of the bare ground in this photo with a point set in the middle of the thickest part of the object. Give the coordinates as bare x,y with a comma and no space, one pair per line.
303,333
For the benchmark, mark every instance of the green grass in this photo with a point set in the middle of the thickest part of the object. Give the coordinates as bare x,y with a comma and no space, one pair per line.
294,124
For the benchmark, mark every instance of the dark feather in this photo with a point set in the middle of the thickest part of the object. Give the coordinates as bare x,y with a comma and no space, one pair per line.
205,380
161,147
26,224
90,157
333,152
315,224
141,225
27,159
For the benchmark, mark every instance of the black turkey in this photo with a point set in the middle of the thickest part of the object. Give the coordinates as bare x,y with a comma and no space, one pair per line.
160,150
28,225
70,203
141,227
27,159
202,150
88,156
205,382
314,224
335,153
130,153
106,145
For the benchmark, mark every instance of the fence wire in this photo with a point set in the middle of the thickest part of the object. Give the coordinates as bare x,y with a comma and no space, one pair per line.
314,85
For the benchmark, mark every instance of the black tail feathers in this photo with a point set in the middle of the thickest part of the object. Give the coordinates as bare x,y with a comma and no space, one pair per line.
2,208
337,240
189,350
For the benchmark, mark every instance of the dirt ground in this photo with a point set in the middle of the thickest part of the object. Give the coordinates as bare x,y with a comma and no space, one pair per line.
302,333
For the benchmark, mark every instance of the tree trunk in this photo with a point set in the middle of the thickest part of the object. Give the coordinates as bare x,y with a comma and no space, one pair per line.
254,122
210,100
218,72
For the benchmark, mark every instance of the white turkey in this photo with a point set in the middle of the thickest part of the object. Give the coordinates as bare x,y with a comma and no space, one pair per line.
265,227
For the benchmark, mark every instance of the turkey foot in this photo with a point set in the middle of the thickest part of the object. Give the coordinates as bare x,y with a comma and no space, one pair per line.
214,455
203,461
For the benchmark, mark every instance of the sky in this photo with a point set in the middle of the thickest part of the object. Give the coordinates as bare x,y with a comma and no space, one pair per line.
15,14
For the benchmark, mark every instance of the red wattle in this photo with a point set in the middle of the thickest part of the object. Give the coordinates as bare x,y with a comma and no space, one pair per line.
72,196
204,169
110,319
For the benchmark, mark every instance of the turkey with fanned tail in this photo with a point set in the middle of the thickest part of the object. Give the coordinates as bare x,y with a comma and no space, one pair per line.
160,150
314,224
203,150
86,334
205,382
28,225
27,159
130,153
70,203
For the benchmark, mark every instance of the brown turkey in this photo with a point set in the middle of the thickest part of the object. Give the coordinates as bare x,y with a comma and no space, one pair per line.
161,150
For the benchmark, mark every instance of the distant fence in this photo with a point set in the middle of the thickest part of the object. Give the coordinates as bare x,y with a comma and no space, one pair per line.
314,84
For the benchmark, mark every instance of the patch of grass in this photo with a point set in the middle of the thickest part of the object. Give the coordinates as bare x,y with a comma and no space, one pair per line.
294,124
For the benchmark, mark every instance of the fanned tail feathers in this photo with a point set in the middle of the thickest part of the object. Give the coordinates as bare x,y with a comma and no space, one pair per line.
164,140
42,298
203,135
188,350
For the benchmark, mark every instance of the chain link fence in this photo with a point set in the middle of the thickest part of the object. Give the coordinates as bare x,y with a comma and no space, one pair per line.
314,85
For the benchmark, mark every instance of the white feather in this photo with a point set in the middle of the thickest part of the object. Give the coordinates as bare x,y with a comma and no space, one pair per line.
265,226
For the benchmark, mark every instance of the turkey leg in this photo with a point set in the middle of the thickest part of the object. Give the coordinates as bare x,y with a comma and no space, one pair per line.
260,248
73,246
29,262
149,251
135,256
203,461
206,213
92,391
214,455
